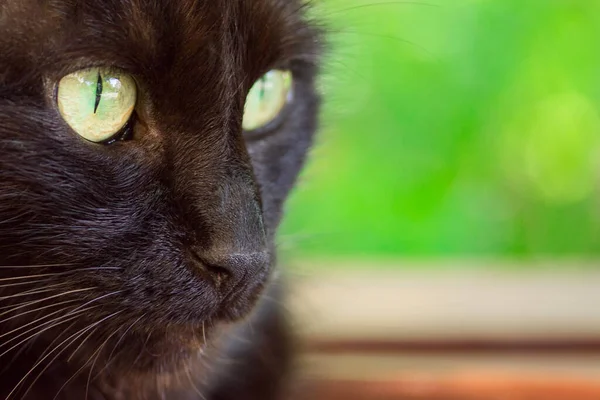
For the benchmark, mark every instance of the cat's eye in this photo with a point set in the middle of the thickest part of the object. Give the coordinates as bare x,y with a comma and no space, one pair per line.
266,99
97,103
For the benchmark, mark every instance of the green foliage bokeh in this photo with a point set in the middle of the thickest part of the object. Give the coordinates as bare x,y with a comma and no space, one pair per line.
455,128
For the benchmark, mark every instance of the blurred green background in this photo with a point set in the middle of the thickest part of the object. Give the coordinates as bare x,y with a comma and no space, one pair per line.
454,128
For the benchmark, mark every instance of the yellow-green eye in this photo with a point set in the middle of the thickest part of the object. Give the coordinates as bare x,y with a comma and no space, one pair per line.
266,99
97,102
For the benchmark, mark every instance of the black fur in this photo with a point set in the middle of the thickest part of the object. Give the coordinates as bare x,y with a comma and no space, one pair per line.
167,239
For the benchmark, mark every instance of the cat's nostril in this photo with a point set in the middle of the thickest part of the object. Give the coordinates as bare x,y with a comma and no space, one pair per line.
215,273
219,274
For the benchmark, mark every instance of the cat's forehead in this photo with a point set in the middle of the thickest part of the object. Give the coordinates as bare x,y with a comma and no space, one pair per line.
156,12
155,31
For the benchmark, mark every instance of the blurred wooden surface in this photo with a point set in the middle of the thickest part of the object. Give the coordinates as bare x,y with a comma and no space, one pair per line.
494,301
457,375
472,387
466,335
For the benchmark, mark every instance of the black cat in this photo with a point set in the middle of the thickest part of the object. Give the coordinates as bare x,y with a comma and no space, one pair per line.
146,150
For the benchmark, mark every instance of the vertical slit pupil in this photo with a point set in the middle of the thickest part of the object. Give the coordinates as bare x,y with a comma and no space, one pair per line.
262,87
98,92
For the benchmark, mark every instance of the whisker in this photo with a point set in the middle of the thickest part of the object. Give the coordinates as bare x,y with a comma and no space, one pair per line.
40,359
110,359
77,335
189,375
21,305
24,283
33,266
37,309
80,368
48,349
75,311
98,298
53,324
56,339
143,350
69,313
33,291
18,353
32,322
380,4
99,351
81,344
389,37
21,277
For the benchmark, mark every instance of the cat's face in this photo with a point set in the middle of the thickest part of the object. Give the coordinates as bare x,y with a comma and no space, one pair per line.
169,230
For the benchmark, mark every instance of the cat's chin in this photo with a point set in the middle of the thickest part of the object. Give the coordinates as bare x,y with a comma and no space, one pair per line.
167,350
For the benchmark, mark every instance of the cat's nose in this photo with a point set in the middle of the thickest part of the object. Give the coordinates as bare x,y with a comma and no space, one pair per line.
237,275
221,207
235,269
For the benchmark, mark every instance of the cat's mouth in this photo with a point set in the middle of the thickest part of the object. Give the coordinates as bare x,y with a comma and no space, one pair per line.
174,344
170,330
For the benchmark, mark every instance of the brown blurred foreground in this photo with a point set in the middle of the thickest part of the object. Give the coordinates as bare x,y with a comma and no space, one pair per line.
475,335
444,372
476,386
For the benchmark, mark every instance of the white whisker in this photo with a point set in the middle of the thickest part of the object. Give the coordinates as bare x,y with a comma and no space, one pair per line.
110,356
48,349
33,266
380,4
99,351
53,324
76,372
37,309
24,283
98,298
70,272
33,291
56,339
21,305
74,311
81,344
189,375
23,277
77,335
32,322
